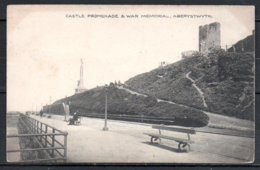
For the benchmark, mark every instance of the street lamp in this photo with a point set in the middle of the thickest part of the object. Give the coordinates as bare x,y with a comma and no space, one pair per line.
50,106
105,128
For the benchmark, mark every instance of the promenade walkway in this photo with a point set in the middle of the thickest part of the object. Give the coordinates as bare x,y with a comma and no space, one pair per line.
125,143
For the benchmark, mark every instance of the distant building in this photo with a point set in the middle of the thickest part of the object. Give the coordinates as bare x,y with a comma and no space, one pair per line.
80,87
189,54
209,37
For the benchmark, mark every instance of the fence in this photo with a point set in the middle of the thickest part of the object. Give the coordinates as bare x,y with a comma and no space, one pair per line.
135,118
45,142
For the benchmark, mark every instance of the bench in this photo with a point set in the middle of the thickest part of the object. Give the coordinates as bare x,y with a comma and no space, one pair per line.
184,143
78,121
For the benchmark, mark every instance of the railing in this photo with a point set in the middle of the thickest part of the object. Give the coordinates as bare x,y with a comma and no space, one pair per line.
135,118
51,143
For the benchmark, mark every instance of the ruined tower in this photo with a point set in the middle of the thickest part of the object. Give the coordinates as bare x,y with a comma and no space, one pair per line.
209,37
80,87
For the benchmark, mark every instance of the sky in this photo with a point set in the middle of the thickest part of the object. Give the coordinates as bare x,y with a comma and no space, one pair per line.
45,45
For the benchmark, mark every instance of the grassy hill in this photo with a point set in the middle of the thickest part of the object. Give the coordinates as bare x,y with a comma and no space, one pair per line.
121,102
223,80
219,82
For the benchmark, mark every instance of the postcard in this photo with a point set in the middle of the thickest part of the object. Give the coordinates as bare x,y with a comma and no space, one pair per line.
130,84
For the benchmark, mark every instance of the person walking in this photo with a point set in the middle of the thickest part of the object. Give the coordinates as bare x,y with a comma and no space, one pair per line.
41,112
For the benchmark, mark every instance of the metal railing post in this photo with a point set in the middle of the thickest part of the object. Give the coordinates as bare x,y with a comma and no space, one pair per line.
33,126
46,131
41,131
53,142
65,146
37,126
30,125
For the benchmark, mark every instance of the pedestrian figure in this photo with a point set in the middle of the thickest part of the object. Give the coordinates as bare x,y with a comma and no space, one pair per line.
75,118
41,112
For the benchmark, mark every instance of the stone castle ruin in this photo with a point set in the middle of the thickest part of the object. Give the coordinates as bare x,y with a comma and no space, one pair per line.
209,37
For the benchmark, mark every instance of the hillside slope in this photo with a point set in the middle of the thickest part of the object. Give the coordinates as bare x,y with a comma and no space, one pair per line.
123,102
222,82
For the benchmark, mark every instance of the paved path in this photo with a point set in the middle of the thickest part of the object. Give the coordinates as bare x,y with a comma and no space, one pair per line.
197,88
126,143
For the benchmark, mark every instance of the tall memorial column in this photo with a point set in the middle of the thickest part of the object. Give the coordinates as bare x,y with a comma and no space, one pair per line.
80,87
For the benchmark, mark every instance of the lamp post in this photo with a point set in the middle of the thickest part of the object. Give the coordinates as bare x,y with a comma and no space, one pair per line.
105,128
50,106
